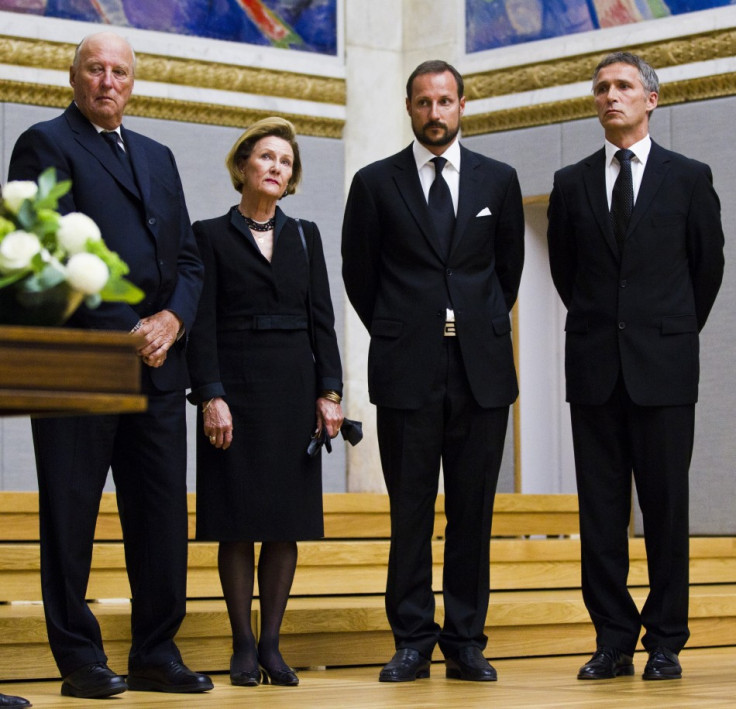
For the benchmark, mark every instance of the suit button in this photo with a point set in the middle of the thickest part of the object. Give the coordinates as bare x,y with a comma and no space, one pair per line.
449,271
623,283
152,221
622,325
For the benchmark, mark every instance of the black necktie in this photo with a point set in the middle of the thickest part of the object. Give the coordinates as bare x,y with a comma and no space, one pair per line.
622,198
111,138
440,205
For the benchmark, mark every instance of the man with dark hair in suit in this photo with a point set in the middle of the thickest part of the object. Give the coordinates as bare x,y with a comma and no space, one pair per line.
636,253
433,247
130,186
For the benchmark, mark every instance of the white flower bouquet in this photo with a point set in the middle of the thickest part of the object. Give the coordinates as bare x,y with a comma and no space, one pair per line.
50,263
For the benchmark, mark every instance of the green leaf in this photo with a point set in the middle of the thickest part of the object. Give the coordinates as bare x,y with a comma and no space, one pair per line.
26,215
49,190
47,278
6,226
121,290
117,267
14,277
46,180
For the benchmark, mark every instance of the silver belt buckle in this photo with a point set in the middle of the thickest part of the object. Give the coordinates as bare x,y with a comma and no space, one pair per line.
450,329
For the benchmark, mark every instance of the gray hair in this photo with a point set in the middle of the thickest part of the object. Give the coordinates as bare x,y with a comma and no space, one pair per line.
78,50
648,76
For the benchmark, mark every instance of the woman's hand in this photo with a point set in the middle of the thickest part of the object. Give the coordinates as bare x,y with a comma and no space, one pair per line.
329,416
218,423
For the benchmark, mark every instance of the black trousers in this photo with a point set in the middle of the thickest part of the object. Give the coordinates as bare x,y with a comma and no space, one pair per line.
469,441
655,443
147,452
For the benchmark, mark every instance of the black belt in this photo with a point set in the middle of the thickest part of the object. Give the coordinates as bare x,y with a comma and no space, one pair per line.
264,322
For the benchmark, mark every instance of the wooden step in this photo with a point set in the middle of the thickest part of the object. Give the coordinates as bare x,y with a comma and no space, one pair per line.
353,630
347,516
328,568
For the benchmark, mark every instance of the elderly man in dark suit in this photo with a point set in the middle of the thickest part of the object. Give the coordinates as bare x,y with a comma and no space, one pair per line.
130,186
636,252
433,247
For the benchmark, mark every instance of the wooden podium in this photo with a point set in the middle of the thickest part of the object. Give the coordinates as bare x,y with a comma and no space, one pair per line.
57,371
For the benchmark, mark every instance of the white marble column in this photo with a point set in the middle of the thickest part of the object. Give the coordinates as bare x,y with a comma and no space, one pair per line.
384,41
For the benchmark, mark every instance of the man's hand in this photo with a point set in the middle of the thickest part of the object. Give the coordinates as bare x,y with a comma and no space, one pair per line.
159,332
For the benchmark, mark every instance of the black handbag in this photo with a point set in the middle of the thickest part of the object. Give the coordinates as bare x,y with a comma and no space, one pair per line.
352,431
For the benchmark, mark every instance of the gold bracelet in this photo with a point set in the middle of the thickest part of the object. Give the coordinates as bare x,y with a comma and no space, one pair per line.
206,405
331,395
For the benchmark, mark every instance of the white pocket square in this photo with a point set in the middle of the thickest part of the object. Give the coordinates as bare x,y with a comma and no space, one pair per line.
485,212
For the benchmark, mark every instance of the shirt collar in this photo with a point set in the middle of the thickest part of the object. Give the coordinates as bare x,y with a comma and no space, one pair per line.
422,156
100,129
640,150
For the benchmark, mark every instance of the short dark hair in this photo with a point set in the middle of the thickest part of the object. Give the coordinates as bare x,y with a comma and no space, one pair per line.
435,66
648,76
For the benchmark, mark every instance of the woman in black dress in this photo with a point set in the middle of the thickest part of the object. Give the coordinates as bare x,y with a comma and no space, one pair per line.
266,374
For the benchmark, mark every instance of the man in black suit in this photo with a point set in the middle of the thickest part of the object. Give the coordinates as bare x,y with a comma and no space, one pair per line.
636,253
130,186
433,247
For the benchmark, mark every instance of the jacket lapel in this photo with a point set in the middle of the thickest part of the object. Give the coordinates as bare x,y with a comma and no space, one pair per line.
468,190
238,223
407,181
281,220
86,135
654,172
594,179
139,162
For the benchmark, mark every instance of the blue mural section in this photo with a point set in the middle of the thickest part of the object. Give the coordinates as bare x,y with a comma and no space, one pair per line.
307,25
500,23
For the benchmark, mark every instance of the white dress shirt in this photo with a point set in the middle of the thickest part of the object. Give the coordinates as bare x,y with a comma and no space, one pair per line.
638,163
451,171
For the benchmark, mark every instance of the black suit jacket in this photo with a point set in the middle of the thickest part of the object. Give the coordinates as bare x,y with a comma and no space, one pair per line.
241,285
144,220
637,313
399,283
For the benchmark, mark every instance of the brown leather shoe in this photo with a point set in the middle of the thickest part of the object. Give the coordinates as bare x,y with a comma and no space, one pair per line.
470,665
607,663
662,664
405,666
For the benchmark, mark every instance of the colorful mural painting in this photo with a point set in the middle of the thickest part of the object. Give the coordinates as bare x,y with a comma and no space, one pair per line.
500,23
308,25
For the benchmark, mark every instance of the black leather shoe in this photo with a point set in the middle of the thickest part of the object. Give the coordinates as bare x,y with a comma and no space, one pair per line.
9,702
244,678
281,677
173,677
607,663
662,664
93,682
470,665
405,666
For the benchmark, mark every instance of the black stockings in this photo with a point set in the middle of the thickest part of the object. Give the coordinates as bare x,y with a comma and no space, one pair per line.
276,566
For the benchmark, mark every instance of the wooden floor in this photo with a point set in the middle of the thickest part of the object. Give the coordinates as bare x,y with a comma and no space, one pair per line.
709,681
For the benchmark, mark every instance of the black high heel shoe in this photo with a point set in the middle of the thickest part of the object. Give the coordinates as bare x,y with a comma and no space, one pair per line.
245,678
285,677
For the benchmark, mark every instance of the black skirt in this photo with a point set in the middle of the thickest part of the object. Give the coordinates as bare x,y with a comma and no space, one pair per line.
264,487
